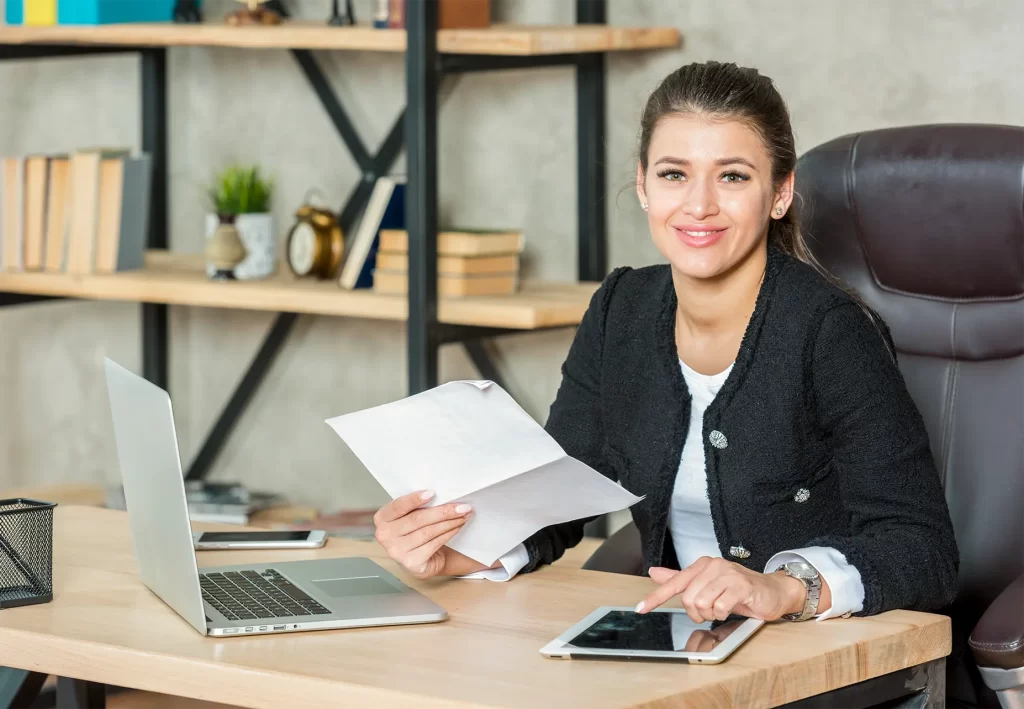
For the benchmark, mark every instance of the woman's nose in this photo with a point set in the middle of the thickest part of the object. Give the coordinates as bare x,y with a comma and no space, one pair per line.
701,201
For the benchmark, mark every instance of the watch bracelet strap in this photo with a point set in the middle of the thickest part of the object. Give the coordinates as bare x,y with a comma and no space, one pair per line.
810,603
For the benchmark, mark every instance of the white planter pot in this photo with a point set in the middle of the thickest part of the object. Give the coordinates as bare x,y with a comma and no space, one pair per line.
257,233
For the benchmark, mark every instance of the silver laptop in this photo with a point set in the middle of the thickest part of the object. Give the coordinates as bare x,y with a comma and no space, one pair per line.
281,597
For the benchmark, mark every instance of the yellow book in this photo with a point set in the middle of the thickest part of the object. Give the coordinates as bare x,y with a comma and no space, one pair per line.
40,12
397,283
36,179
57,214
454,265
459,242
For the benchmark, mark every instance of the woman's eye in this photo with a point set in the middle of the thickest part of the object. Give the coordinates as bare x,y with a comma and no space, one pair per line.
673,175
734,177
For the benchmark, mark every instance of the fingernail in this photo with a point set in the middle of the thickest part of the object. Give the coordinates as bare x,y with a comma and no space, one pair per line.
426,495
463,509
639,607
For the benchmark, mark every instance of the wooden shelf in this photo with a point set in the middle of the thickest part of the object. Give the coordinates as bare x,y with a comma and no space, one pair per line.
179,279
525,40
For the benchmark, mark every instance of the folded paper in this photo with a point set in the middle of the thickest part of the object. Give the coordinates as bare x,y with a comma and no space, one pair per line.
469,441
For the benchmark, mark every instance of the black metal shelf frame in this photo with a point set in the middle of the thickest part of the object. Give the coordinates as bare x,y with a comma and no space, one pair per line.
415,128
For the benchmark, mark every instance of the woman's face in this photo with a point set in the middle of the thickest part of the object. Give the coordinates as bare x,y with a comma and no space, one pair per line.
709,193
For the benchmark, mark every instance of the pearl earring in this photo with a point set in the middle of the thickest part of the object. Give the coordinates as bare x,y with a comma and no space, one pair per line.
778,210
643,206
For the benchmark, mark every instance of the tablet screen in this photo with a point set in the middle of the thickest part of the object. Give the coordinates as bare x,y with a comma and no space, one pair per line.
660,631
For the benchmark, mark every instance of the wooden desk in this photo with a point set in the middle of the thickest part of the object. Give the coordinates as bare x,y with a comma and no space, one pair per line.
105,626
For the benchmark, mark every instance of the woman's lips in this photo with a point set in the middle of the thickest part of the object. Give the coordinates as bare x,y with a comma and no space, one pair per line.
699,236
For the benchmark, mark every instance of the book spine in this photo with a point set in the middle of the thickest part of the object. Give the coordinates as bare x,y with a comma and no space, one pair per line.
396,14
102,12
14,12
57,215
78,12
131,251
13,212
40,13
381,14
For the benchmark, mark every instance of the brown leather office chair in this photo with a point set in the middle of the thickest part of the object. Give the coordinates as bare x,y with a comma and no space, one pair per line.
927,224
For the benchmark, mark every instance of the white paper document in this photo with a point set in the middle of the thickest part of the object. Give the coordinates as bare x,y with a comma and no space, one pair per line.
469,441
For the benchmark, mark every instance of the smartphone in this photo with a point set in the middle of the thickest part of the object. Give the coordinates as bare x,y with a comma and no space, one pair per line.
271,539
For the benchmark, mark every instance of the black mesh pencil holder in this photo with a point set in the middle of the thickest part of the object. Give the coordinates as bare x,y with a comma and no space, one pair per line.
26,552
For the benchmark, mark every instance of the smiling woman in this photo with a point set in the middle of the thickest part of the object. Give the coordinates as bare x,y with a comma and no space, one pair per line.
704,200
754,402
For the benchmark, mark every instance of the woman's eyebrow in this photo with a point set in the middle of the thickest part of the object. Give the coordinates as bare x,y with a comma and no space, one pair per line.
722,161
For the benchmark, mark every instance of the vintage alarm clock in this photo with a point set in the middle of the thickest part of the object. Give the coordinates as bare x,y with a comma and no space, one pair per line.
315,243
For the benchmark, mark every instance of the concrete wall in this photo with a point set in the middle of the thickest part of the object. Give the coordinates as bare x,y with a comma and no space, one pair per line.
507,159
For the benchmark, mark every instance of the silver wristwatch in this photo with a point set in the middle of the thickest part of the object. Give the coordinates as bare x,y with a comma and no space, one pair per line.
809,575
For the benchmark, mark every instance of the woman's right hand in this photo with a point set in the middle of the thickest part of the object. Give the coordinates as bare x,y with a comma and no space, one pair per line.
415,536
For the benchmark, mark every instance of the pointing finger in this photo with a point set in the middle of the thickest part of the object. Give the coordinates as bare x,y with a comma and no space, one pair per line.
673,586
659,574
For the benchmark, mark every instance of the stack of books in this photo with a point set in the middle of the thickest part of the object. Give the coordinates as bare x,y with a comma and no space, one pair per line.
227,502
468,262
83,213
41,13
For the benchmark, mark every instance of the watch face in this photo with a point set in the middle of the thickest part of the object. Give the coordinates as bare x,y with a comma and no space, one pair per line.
301,249
801,569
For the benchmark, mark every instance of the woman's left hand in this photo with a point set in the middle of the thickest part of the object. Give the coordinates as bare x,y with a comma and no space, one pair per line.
714,588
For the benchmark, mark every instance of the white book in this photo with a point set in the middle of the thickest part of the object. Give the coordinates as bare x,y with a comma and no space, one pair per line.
362,240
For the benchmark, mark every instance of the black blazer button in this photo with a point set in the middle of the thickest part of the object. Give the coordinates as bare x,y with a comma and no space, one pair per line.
718,439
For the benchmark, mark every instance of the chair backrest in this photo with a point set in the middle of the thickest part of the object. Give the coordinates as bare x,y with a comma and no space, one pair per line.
927,224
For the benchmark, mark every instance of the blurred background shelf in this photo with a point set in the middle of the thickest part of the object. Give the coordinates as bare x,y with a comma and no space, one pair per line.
180,279
515,40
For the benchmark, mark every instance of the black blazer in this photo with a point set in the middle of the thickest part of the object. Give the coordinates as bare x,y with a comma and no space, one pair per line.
813,440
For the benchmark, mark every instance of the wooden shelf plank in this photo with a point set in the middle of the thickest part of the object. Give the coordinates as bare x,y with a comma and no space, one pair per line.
496,40
179,279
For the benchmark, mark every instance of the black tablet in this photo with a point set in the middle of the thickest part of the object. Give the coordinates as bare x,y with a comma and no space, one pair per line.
664,633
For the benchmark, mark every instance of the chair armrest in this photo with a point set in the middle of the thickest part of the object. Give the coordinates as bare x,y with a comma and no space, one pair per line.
619,554
998,638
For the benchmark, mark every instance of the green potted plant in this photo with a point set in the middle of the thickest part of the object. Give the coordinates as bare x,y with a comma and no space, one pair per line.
241,241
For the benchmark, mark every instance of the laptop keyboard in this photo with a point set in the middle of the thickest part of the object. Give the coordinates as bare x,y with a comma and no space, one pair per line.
248,595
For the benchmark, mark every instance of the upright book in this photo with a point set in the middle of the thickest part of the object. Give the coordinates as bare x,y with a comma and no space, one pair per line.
12,213
41,13
124,215
385,210
108,211
36,183
54,252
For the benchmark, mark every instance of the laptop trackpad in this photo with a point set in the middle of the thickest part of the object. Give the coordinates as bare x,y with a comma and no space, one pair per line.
360,586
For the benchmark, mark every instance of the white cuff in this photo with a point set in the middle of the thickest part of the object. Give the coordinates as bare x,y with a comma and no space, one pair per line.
511,564
842,577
